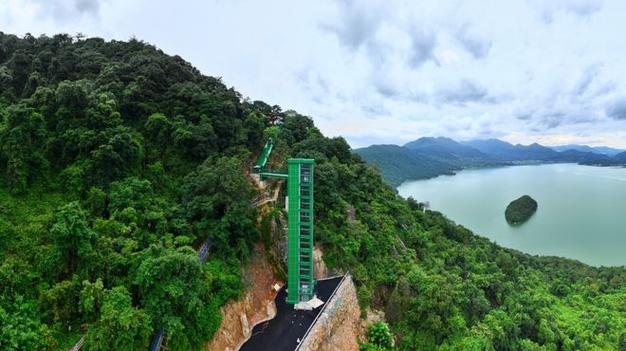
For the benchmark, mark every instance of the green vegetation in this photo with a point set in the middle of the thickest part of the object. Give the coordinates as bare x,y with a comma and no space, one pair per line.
520,210
118,160
379,338
398,164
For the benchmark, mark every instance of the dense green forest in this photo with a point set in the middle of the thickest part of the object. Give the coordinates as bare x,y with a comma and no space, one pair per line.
397,163
118,160
520,210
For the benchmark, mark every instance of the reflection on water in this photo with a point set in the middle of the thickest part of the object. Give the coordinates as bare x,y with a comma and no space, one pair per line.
581,212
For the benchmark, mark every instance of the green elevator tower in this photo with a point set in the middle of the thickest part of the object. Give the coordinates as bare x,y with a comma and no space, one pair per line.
300,175
300,281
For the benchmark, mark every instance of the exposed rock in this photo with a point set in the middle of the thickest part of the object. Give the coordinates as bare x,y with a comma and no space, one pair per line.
338,326
256,305
319,267
244,324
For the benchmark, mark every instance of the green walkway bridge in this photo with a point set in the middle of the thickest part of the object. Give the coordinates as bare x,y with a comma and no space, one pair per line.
299,177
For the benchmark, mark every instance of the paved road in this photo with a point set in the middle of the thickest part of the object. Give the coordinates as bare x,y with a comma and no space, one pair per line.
282,332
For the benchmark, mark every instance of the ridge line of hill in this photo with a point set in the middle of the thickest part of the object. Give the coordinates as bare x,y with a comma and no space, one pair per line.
429,157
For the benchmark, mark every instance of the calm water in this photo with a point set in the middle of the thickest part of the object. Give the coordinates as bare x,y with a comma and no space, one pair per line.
581,214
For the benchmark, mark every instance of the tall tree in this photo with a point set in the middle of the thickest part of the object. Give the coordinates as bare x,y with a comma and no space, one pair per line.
176,292
72,236
217,198
23,145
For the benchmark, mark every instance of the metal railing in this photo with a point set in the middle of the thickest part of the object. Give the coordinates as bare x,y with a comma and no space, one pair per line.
204,250
79,344
158,340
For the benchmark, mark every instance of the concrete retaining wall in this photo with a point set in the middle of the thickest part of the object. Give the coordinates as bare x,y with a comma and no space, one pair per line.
337,327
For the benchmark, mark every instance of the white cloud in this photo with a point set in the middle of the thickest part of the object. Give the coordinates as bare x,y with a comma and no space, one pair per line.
385,71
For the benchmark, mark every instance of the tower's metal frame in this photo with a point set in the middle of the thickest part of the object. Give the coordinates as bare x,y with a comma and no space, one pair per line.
300,237
300,176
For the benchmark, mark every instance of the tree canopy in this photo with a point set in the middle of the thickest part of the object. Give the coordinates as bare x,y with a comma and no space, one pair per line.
520,210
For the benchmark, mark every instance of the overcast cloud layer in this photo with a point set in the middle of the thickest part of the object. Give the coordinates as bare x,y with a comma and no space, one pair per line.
385,71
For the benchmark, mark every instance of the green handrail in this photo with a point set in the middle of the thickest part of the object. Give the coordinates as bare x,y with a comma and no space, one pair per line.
264,156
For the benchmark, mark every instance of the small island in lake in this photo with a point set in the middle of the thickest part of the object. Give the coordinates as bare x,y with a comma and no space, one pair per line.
520,210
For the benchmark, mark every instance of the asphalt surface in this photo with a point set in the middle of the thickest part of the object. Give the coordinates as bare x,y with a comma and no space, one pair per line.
282,332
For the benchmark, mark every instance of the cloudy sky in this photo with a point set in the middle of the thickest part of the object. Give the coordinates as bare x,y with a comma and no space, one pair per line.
525,71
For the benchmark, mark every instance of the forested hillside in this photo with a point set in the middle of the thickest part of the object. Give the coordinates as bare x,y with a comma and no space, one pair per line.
397,164
117,161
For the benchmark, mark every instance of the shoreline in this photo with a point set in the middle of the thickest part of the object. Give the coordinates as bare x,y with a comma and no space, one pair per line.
523,163
529,240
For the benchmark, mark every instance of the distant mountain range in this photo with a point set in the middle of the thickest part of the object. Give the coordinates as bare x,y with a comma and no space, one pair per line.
429,157
609,151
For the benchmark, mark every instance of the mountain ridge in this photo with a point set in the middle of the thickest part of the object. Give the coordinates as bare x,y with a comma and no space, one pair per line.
444,155
603,150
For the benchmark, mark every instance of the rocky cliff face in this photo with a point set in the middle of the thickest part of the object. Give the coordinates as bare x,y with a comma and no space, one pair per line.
256,305
260,275
319,267
338,327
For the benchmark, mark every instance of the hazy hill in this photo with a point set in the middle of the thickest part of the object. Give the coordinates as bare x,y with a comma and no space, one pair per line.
509,152
450,151
603,150
444,147
581,157
616,160
620,158
397,165
424,158
494,147
533,152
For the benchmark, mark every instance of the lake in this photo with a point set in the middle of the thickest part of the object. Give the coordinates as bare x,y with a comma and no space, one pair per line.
581,213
